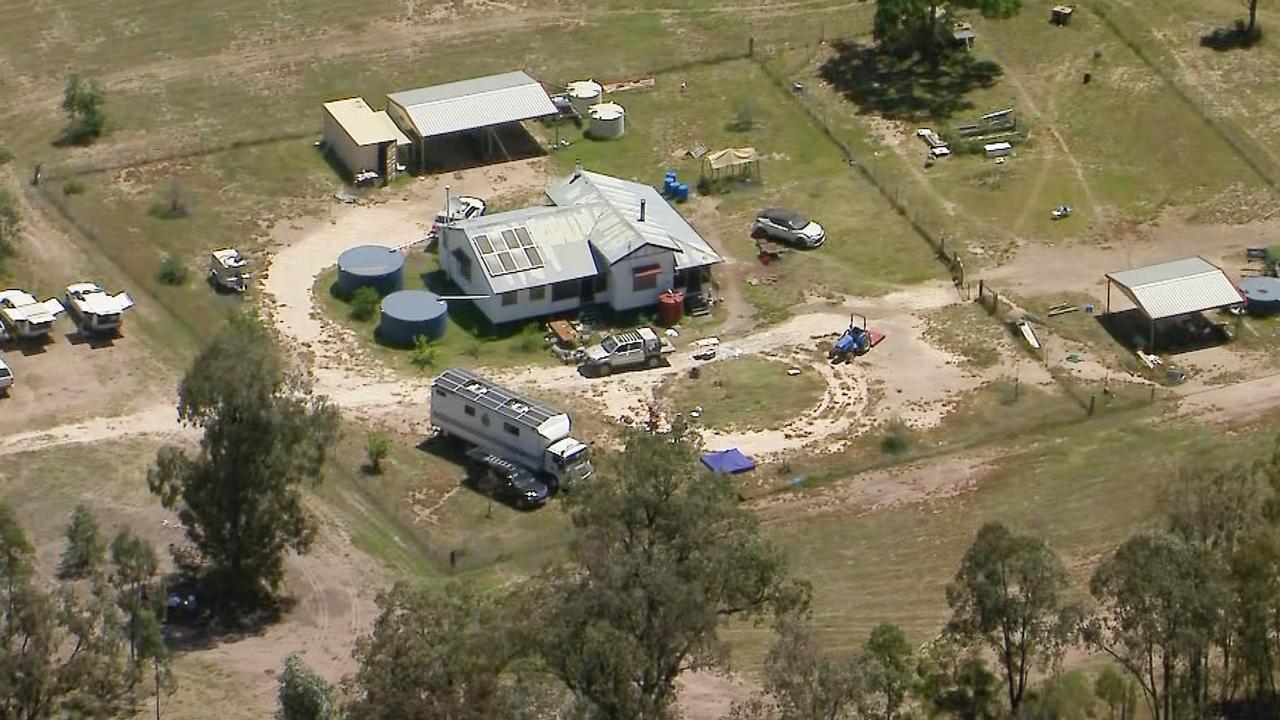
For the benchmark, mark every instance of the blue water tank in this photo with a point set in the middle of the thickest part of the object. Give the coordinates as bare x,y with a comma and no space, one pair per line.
375,266
1262,294
410,313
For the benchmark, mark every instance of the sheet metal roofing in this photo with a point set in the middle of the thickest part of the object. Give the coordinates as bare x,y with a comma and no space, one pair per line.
363,124
557,235
476,103
1179,287
620,231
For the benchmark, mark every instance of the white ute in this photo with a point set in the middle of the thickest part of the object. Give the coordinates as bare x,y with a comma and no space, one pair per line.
6,377
26,319
508,425
93,310
641,347
227,268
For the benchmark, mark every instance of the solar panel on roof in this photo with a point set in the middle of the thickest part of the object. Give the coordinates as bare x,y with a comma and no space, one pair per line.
507,263
535,258
521,260
494,267
522,233
499,242
510,238
482,242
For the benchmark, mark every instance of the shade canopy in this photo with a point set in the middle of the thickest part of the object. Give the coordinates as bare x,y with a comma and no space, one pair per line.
1179,287
732,157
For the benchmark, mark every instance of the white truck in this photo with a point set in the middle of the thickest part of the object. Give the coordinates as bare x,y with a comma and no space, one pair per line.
24,318
93,310
506,424
641,347
227,269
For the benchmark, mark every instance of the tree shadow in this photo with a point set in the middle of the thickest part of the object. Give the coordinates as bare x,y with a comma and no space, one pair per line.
906,88
1237,37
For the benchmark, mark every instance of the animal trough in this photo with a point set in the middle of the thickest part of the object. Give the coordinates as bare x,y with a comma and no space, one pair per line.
375,266
410,313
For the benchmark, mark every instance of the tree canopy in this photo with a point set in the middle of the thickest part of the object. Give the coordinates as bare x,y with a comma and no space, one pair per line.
907,26
264,436
85,551
82,101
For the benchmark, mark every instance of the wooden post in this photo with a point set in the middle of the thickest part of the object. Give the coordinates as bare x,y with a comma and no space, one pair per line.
1092,398
1108,296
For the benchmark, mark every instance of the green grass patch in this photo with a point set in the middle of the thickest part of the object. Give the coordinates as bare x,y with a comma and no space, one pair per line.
967,331
745,394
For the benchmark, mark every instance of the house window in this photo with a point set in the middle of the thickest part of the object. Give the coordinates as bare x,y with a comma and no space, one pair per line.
509,298
464,263
511,429
470,410
484,419
538,293
645,277
567,290
441,393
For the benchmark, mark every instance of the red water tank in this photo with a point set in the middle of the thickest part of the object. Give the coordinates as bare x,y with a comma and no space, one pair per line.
670,307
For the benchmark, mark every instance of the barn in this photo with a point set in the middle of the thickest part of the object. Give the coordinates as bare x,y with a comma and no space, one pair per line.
364,141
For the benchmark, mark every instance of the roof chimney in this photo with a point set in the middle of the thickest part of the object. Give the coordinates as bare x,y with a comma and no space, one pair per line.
577,167
642,211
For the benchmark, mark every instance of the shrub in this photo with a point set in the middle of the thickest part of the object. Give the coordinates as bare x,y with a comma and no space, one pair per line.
897,440
376,448
82,102
174,205
364,303
473,350
5,155
423,354
172,271
530,338
72,187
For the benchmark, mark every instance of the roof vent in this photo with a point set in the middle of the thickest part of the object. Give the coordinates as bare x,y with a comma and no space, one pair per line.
642,211
477,388
518,406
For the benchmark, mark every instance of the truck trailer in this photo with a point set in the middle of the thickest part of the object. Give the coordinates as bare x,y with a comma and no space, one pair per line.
508,425
93,310
24,318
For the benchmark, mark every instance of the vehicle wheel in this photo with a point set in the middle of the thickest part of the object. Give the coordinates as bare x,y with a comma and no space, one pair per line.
604,370
757,233
651,363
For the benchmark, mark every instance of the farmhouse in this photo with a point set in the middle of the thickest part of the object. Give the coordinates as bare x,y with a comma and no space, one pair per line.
603,241
365,141
482,114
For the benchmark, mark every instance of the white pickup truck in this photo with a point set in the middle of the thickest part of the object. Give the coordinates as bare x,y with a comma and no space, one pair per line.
93,310
641,347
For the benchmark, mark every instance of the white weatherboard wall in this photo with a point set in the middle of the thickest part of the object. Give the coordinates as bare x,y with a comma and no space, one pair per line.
620,294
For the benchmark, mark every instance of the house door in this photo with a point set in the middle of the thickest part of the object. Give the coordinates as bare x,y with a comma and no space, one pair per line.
587,290
383,166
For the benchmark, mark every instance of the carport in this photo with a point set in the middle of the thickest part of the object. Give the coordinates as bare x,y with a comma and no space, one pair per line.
1174,289
480,108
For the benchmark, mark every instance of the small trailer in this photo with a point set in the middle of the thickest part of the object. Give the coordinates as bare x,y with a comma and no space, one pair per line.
508,425
997,149
93,310
26,319
227,269
641,347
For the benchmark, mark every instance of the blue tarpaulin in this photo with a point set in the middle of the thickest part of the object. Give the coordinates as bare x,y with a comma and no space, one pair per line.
728,461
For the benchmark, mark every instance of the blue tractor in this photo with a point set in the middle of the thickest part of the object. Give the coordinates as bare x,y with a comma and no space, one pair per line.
855,340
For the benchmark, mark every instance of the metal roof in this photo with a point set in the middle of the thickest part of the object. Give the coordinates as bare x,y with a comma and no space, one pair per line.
19,306
620,232
476,103
507,403
363,124
1179,287
91,299
557,236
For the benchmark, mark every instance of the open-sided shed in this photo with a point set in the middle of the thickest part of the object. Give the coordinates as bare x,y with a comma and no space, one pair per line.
1173,289
479,106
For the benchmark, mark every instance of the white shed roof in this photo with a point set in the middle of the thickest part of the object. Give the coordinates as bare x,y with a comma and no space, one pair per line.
476,103
1179,287
363,124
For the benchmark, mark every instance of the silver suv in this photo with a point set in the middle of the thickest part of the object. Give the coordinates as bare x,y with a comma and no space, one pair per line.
789,227
6,377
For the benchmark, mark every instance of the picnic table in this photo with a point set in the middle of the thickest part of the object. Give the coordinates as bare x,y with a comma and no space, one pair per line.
563,331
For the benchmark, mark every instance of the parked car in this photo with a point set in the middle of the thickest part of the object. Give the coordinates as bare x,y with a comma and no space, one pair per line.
788,227
506,481
6,377
461,207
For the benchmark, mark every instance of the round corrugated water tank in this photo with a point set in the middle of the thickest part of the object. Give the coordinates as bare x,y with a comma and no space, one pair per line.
410,313
583,94
375,266
608,121
1262,294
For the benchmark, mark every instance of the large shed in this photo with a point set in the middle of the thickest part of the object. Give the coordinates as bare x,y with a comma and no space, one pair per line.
362,139
1174,289
478,107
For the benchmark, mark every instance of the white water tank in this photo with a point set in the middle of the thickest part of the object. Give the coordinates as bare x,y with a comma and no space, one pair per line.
583,94
608,121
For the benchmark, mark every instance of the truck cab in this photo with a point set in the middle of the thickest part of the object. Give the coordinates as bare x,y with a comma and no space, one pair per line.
569,460
93,310
633,348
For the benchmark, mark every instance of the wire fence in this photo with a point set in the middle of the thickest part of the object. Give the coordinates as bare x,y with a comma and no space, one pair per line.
1131,31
